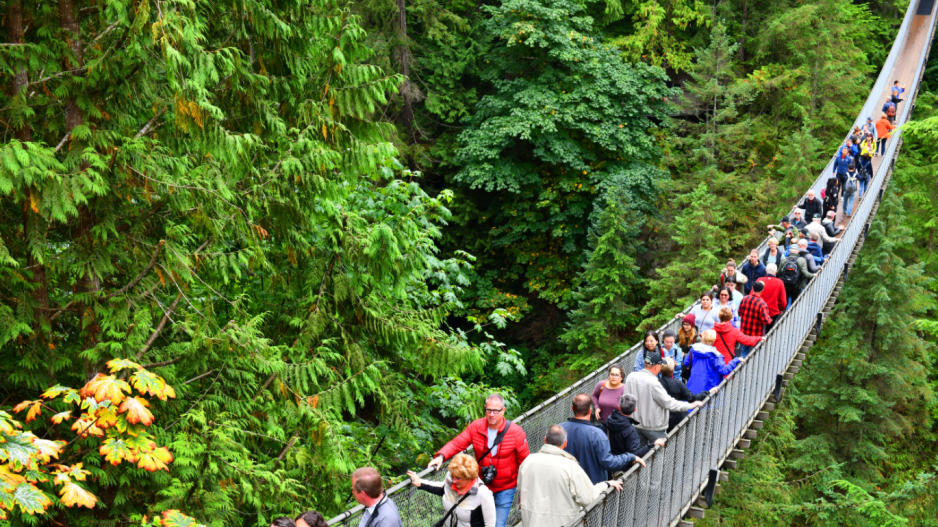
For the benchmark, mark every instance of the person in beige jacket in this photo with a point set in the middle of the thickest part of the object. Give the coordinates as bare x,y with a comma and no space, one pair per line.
553,486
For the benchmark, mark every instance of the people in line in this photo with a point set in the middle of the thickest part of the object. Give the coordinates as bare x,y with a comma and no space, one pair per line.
754,316
896,92
606,394
889,109
589,444
884,128
497,443
672,350
676,388
867,151
784,232
752,269
730,271
850,190
467,502
798,221
773,294
831,194
815,227
687,335
815,248
728,336
709,367
828,224
623,437
704,314
842,161
794,273
811,205
724,300
654,404
553,485
310,519
772,254
368,490
735,295
650,345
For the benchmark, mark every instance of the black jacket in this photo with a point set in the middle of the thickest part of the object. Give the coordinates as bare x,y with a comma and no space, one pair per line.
681,392
623,437
811,208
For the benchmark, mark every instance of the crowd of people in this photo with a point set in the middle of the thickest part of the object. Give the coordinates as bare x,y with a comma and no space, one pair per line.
628,414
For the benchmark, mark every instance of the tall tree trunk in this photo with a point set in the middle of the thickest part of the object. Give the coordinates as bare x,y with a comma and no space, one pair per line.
742,38
33,225
68,18
407,114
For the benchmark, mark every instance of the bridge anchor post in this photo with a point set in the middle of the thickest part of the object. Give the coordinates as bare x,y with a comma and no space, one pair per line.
818,323
846,270
711,486
866,231
778,388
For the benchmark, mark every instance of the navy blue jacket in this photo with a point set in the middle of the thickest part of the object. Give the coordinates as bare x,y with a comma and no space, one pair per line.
623,437
752,272
841,162
590,446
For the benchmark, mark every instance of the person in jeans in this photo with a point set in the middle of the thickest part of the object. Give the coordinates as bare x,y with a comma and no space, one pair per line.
368,490
462,492
753,316
654,403
505,457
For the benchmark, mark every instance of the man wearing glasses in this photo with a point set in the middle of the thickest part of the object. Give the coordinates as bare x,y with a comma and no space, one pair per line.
503,447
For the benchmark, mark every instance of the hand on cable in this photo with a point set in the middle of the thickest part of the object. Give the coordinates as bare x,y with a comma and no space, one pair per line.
414,478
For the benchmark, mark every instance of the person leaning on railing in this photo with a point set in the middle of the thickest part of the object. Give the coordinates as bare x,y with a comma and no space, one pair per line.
654,403
368,490
467,502
553,486
590,445
500,447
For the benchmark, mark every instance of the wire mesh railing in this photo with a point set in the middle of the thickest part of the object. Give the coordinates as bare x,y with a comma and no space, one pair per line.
660,493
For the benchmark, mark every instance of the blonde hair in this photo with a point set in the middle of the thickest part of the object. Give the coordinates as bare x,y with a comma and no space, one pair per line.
710,336
668,367
464,467
726,314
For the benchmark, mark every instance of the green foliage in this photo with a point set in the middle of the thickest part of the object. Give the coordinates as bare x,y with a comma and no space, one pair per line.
660,29
567,119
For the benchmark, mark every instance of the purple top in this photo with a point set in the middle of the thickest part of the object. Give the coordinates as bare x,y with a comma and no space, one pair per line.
608,400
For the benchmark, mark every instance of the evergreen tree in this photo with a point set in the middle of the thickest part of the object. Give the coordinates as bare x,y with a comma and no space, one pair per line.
800,160
608,296
869,372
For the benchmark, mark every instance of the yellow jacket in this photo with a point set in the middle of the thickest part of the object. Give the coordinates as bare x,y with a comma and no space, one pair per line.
867,149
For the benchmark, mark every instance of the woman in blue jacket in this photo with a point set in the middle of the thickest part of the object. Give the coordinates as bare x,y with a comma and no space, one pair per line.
707,364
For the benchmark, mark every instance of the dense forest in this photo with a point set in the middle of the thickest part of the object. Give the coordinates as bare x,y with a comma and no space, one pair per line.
249,246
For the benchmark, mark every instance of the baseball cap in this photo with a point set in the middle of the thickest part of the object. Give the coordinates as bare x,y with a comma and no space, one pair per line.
653,358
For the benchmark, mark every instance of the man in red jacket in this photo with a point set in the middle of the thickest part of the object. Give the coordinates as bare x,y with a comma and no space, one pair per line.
774,294
506,457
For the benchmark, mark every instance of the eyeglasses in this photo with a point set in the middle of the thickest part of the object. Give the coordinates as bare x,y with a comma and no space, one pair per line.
615,375
493,410
724,295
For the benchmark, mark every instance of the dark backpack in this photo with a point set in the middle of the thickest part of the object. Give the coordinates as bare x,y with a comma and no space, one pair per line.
790,274
850,186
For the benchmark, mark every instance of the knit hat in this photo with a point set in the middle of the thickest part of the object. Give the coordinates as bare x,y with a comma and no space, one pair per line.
689,319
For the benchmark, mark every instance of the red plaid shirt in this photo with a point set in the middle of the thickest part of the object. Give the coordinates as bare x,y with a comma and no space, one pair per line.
753,316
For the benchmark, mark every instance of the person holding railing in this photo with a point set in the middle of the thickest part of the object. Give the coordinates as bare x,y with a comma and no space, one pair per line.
368,490
623,437
815,248
654,403
677,389
784,232
815,227
552,485
500,446
466,500
590,445
828,224
728,335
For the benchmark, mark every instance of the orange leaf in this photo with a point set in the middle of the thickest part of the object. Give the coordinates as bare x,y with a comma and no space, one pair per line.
106,387
155,459
61,416
35,408
136,410
48,449
73,495
86,427
106,417
117,450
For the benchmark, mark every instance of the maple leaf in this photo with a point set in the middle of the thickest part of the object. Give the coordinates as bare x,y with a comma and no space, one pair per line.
56,391
136,411
174,518
73,471
117,450
106,387
48,449
155,459
106,417
72,495
61,416
18,450
72,397
147,382
116,365
8,425
30,499
35,408
86,427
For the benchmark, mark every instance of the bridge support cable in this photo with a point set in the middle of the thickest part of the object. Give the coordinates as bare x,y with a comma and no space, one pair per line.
685,469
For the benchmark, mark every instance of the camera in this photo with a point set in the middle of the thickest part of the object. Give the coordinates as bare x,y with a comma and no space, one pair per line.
487,474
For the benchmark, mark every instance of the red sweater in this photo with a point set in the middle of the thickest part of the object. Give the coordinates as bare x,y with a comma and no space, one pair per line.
512,451
774,295
731,335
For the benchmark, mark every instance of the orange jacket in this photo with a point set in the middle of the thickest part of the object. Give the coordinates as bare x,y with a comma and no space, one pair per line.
883,126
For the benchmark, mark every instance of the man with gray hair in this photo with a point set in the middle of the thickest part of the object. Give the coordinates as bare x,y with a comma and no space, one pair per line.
500,447
553,486
623,437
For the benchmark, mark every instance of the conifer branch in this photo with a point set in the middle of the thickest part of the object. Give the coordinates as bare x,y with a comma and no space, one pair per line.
133,283
62,142
160,326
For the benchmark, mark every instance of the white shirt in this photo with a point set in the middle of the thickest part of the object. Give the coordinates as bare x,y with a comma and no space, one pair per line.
492,433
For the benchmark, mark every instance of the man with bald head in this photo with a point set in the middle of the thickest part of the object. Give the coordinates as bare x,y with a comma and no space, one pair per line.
589,444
